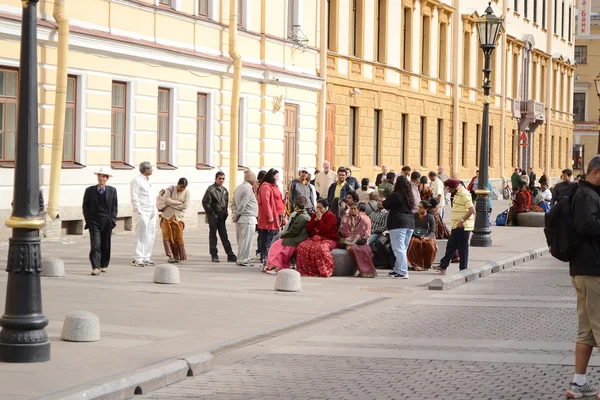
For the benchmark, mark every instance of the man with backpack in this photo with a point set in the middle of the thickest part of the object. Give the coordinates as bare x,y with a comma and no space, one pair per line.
582,248
563,188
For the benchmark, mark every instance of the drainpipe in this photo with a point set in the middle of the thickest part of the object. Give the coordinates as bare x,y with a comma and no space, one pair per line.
323,75
60,102
549,82
235,96
503,80
456,88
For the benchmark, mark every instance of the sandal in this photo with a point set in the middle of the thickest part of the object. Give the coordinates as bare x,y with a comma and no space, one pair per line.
418,268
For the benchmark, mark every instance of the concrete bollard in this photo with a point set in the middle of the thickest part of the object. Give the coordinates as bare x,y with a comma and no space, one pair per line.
288,280
53,267
166,273
81,326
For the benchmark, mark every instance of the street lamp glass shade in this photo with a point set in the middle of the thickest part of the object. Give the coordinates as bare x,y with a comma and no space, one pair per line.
597,82
488,27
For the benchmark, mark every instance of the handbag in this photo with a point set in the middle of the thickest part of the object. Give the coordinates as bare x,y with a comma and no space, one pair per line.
160,201
419,233
501,218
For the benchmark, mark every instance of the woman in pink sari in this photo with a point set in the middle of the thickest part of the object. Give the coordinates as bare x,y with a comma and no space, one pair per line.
314,254
354,234
282,250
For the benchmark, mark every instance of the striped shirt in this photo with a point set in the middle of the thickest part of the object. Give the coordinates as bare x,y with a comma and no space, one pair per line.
379,221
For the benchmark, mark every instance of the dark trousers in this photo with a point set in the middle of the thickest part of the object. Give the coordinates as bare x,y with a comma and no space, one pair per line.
100,236
265,238
459,240
217,224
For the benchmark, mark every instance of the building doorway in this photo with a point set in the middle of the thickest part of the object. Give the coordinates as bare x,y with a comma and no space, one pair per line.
290,142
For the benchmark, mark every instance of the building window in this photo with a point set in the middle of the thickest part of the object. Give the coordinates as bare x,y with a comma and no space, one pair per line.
525,9
552,155
425,45
579,106
203,8
201,131
70,134
516,6
439,141
466,58
240,13
535,11
356,19
406,39
8,113
332,8
570,37
479,69
164,122
477,144
581,54
442,54
555,17
515,147
168,3
562,20
464,144
381,33
118,122
560,141
353,135
543,83
515,76
544,14
377,138
422,150
403,137
242,133
292,19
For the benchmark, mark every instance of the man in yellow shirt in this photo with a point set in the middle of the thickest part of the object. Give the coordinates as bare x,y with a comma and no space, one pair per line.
463,222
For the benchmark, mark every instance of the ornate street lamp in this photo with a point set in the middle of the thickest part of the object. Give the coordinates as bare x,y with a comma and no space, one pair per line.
597,82
489,27
23,338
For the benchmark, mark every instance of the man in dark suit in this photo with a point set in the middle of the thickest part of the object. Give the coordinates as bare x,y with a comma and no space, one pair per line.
381,177
100,208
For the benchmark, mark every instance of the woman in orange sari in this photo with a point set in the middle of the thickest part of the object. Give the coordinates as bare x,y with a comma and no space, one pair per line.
354,233
176,199
422,248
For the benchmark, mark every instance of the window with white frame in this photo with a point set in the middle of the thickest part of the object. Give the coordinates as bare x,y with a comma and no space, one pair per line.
581,54
293,22
579,100
242,133
203,8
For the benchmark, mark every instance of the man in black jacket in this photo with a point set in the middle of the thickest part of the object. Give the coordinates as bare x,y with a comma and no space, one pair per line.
215,203
584,269
100,209
563,188
532,178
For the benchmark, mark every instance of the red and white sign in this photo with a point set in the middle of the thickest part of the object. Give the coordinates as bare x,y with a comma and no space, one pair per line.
585,11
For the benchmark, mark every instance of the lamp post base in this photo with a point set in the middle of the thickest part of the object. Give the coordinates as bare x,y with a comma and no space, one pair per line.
19,351
482,234
481,240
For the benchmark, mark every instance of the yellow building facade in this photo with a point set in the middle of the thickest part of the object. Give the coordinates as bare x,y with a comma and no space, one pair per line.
404,86
151,80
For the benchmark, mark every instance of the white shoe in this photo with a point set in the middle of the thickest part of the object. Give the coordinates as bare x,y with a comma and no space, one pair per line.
148,262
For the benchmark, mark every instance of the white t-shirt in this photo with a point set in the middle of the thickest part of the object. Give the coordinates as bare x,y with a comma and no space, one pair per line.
547,195
437,187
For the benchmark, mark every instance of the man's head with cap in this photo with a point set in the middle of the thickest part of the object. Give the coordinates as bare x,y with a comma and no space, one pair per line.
302,173
452,185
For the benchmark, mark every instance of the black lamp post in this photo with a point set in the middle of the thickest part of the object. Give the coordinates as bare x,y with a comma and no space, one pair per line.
23,338
488,26
597,82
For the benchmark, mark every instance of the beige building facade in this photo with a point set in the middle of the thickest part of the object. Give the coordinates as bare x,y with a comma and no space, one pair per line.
151,80
404,86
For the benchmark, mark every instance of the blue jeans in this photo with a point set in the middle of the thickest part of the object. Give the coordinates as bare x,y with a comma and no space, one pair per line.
400,239
373,238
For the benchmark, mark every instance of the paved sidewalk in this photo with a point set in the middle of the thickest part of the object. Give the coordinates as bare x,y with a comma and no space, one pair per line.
144,323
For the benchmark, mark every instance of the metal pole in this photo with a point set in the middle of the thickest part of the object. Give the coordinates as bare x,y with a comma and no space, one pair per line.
23,338
598,130
482,231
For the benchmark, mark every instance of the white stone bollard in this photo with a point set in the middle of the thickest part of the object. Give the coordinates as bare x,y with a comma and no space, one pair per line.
166,273
81,326
52,266
288,280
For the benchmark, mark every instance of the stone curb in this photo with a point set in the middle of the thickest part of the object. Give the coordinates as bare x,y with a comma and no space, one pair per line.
467,275
177,369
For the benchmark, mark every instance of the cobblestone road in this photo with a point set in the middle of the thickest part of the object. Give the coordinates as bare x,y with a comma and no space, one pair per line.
508,336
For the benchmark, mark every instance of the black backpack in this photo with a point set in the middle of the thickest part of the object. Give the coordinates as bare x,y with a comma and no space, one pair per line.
559,229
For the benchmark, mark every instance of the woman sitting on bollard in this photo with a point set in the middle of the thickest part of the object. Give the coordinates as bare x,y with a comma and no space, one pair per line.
314,254
283,249
354,234
422,248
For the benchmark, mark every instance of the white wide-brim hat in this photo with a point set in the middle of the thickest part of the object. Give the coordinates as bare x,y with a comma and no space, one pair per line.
101,171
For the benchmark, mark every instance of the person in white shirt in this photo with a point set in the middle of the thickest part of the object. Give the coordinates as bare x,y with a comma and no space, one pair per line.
324,179
546,193
244,208
143,200
437,187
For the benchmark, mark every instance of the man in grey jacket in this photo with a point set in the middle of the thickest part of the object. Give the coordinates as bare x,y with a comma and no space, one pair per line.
244,209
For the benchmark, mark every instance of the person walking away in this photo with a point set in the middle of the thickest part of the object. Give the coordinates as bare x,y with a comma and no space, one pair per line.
100,210
532,178
378,222
354,235
437,189
172,225
415,179
340,188
143,202
325,179
563,188
387,187
382,176
364,191
422,248
283,249
244,211
463,222
299,187
270,208
314,254
401,224
371,205
584,269
215,203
